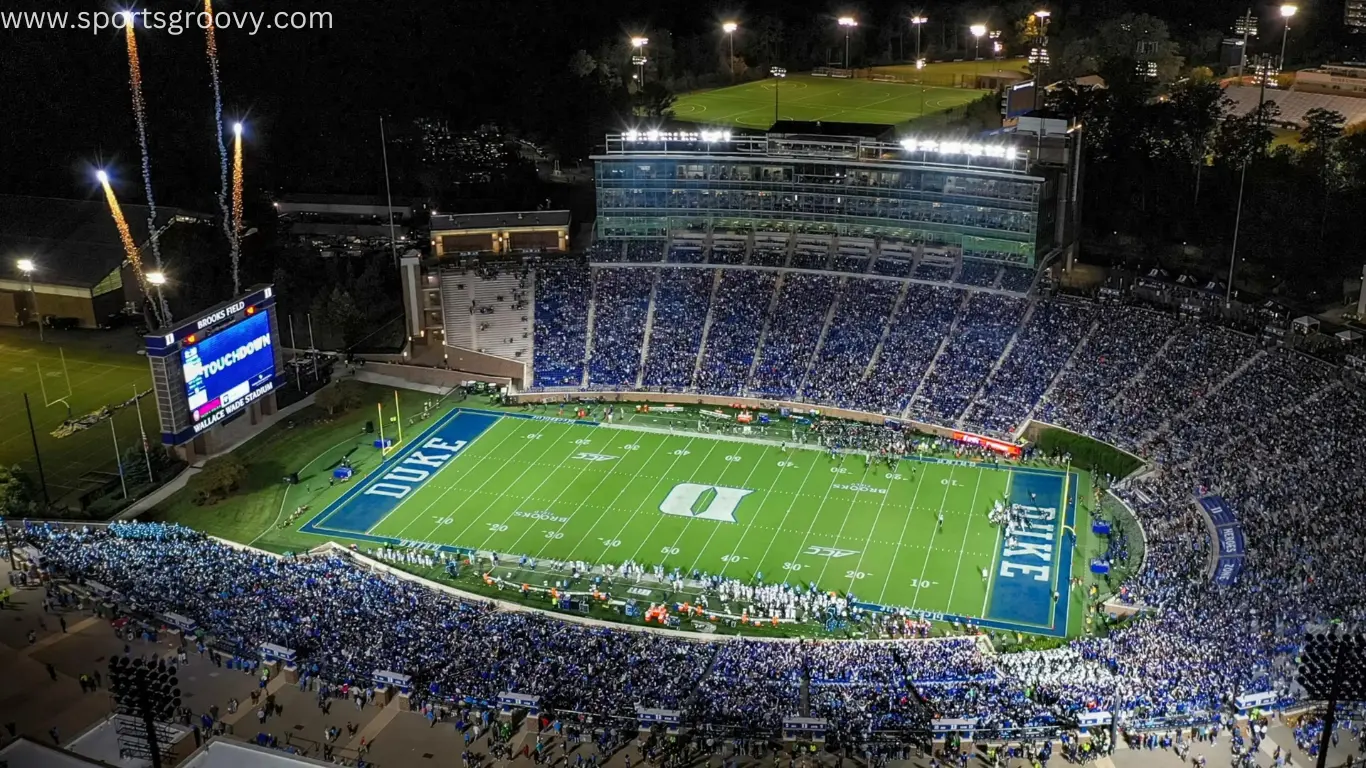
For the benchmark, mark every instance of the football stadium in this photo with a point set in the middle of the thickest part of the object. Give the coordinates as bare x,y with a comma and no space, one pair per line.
804,449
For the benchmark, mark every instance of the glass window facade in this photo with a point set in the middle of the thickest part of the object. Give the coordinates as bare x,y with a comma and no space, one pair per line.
986,212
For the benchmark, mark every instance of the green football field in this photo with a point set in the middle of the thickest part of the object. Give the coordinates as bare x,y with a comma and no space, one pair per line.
93,377
810,98
555,489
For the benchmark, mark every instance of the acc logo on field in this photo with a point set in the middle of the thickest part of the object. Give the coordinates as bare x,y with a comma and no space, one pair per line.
830,551
704,502
595,457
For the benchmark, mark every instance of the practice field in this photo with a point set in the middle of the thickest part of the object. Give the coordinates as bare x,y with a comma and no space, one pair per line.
810,98
98,378
548,488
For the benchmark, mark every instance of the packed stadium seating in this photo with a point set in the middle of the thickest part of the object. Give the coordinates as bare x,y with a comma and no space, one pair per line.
1274,433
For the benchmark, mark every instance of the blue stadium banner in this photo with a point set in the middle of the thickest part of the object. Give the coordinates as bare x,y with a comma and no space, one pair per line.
1228,534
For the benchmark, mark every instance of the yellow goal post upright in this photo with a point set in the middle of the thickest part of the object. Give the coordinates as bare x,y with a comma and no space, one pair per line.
385,449
65,399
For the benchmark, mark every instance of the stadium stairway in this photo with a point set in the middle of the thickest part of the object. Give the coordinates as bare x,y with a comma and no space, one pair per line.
706,326
996,366
943,345
996,281
588,325
1066,367
840,292
649,325
1165,426
806,693
886,330
768,319
1143,371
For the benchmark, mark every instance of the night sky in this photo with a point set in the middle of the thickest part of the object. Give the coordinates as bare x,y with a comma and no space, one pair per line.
312,99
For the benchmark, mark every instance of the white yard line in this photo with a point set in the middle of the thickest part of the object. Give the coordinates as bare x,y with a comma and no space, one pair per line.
814,461
792,503
852,503
718,526
902,537
660,519
859,567
648,496
471,494
802,547
550,474
584,500
448,488
996,549
934,531
972,515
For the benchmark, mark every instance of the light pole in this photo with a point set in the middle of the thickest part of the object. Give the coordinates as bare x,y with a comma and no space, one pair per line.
1286,12
1040,50
848,22
27,267
778,74
918,22
729,28
977,31
639,44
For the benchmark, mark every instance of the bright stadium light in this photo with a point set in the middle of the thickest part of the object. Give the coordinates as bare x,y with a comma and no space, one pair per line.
729,27
968,148
156,278
26,266
848,22
1288,10
640,42
978,30
1042,15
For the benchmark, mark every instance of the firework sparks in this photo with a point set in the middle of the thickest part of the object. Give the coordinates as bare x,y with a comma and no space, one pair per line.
130,247
211,46
236,196
140,117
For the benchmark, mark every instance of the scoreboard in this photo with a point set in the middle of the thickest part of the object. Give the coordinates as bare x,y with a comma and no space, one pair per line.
207,370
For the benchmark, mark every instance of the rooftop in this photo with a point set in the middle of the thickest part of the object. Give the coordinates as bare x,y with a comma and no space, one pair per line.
73,242
443,222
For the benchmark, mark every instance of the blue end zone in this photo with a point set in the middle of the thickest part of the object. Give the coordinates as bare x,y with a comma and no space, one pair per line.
1041,560
369,501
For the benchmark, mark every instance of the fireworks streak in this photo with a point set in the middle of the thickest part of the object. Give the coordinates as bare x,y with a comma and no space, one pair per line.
140,117
130,247
236,200
211,46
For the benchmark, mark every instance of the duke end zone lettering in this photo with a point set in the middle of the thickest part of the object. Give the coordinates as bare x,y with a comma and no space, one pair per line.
1033,546
431,455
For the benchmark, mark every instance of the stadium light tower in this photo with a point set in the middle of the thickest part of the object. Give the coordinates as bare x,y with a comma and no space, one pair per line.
918,21
729,28
639,44
977,31
27,267
848,22
1287,11
1040,52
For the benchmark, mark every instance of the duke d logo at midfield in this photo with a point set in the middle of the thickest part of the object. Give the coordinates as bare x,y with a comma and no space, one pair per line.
704,502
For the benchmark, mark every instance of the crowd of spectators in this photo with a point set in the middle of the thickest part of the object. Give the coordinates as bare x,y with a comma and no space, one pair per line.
1275,434
738,312
681,304
850,341
794,330
1043,347
561,330
984,329
621,305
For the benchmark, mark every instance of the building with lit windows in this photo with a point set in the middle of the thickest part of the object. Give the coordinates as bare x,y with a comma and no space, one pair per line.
1008,199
